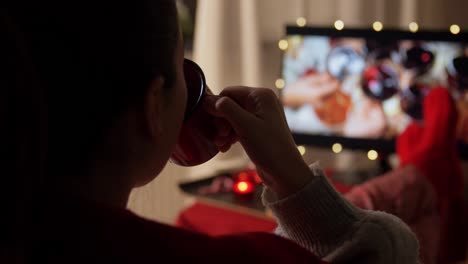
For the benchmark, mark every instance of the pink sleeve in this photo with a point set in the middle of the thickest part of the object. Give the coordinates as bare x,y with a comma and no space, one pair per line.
406,193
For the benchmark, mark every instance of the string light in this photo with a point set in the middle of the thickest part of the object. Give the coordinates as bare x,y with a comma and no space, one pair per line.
337,148
283,44
302,150
413,27
454,29
339,24
243,187
301,22
279,83
372,155
377,26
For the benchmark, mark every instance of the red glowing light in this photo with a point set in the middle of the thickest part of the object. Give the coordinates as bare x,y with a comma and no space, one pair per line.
425,57
257,178
243,176
243,187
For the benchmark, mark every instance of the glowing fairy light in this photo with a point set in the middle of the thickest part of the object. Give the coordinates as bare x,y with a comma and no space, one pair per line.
283,44
377,26
339,24
337,148
455,29
413,27
301,22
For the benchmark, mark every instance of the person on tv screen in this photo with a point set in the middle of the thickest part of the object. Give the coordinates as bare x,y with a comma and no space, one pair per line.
327,97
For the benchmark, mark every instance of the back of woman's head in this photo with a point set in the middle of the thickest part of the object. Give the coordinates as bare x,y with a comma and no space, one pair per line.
93,60
22,133
96,58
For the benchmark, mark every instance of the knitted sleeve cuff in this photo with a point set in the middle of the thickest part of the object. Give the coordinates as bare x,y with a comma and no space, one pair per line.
316,217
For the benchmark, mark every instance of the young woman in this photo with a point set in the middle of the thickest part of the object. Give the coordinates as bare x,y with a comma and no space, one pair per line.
95,100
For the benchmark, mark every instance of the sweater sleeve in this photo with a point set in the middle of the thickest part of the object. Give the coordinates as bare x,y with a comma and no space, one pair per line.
321,220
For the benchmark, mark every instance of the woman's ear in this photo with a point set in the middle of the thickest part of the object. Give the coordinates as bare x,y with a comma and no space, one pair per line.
154,107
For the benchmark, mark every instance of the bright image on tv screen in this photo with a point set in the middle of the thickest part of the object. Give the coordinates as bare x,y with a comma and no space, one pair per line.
368,88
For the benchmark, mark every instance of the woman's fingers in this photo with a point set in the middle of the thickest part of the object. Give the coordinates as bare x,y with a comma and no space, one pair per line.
257,120
224,143
223,128
229,110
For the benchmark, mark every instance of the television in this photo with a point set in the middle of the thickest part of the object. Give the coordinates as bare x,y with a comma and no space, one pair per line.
362,88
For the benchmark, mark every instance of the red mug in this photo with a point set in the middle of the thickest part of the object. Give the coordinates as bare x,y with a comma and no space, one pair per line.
196,139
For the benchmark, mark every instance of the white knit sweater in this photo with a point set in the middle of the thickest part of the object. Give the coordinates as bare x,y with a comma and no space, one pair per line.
321,220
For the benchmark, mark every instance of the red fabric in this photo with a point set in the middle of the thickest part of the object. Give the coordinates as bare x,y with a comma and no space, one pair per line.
431,147
77,232
217,221
406,193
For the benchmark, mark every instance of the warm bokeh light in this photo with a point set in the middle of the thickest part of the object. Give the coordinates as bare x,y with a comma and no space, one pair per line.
337,148
372,155
279,83
243,187
455,29
413,27
302,150
339,25
300,21
377,26
283,44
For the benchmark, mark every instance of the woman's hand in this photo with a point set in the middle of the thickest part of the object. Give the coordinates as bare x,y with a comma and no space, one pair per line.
256,119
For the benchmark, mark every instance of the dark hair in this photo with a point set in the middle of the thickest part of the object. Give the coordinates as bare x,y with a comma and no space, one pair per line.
93,60
96,58
23,137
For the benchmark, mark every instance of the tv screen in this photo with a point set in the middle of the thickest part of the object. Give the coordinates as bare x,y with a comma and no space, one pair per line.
366,85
